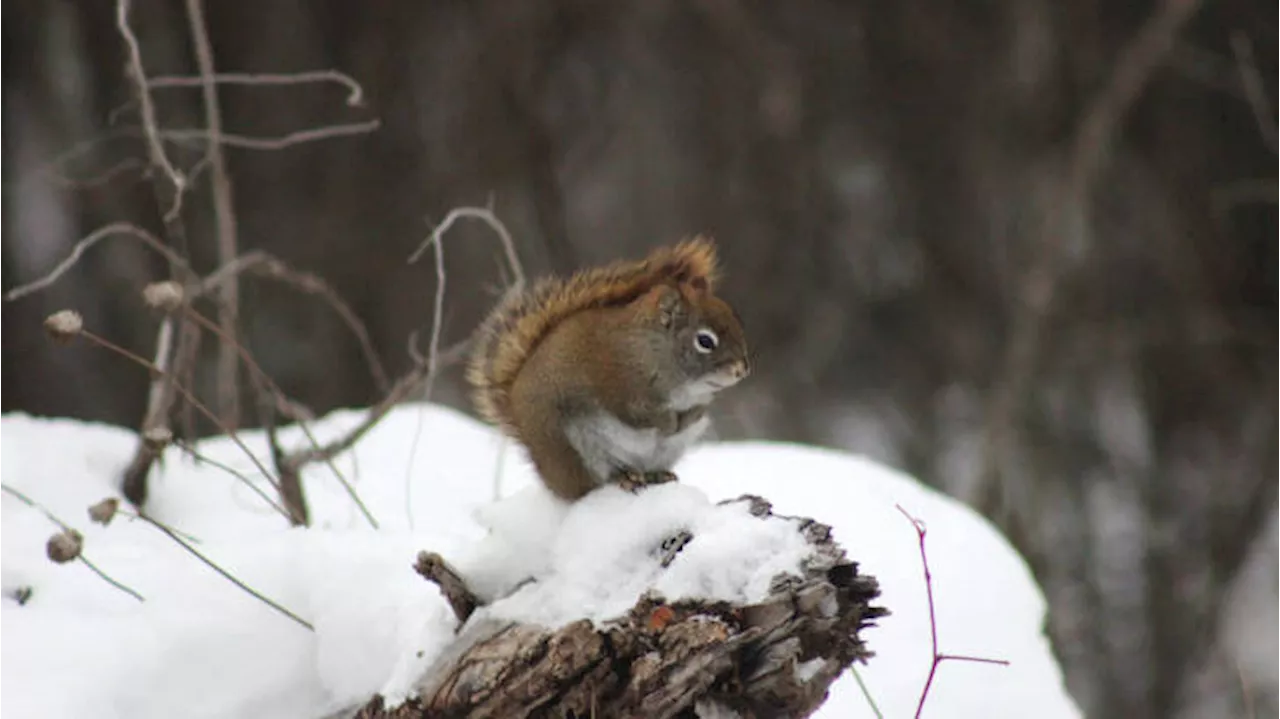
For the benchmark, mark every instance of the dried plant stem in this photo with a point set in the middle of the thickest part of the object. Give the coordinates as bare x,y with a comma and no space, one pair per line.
169,186
285,407
52,518
159,402
866,693
430,367
432,361
199,457
225,574
228,384
292,513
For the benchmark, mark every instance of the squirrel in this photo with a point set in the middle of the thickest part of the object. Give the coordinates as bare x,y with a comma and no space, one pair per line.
606,375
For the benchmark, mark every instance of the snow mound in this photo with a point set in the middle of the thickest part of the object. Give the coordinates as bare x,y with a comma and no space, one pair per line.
200,647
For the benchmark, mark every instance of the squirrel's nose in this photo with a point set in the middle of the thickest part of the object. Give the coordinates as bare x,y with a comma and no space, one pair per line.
741,368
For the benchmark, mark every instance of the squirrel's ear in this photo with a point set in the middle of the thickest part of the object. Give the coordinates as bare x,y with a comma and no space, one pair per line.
663,304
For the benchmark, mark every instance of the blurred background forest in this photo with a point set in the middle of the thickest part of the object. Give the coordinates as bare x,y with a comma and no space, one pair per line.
1023,249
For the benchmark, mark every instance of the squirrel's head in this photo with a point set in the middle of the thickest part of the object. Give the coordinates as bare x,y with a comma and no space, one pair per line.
703,338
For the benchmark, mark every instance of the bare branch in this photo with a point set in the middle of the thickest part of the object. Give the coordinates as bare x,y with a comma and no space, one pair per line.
147,110
156,421
355,97
116,228
433,568
160,398
421,373
265,265
97,180
487,216
274,143
286,407
1254,89
228,383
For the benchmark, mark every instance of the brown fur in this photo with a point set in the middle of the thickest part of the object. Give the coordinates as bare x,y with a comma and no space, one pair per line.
522,320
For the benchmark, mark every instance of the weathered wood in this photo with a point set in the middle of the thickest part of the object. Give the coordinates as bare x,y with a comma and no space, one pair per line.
777,657
435,569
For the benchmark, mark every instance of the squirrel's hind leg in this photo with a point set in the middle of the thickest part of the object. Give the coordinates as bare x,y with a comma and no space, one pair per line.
561,467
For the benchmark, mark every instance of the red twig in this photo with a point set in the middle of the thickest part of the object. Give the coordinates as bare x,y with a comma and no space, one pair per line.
938,657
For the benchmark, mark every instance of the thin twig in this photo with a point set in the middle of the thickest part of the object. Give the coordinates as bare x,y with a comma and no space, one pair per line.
342,479
227,369
156,419
938,657
1089,151
433,357
147,111
1254,89
283,405
355,96
487,216
169,186
127,229
187,137
419,373
437,306
195,454
265,265
98,180
298,137
65,527
225,574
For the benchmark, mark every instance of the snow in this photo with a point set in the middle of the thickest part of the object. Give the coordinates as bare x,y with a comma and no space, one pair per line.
200,647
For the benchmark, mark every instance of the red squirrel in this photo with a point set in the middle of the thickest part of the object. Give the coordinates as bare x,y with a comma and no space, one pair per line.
606,375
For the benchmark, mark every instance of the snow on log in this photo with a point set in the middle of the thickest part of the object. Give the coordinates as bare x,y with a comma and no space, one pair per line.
771,651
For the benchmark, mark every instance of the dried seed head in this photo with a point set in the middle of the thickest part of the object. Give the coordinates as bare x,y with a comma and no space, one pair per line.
64,326
164,296
64,546
157,438
105,511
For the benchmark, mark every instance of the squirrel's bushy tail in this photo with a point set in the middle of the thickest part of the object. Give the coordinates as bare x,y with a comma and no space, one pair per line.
523,317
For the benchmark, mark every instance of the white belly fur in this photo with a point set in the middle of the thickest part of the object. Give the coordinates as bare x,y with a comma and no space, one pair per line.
606,444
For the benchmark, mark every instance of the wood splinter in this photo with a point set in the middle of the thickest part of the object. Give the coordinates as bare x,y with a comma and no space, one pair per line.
436,570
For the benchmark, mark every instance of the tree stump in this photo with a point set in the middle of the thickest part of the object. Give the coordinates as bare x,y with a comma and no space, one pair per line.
777,657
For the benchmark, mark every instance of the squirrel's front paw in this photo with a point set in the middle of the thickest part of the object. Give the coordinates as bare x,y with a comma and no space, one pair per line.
633,481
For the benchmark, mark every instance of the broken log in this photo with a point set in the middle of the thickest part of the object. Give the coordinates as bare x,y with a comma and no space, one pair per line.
686,658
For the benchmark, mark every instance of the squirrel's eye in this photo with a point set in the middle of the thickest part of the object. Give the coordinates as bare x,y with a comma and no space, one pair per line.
705,341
